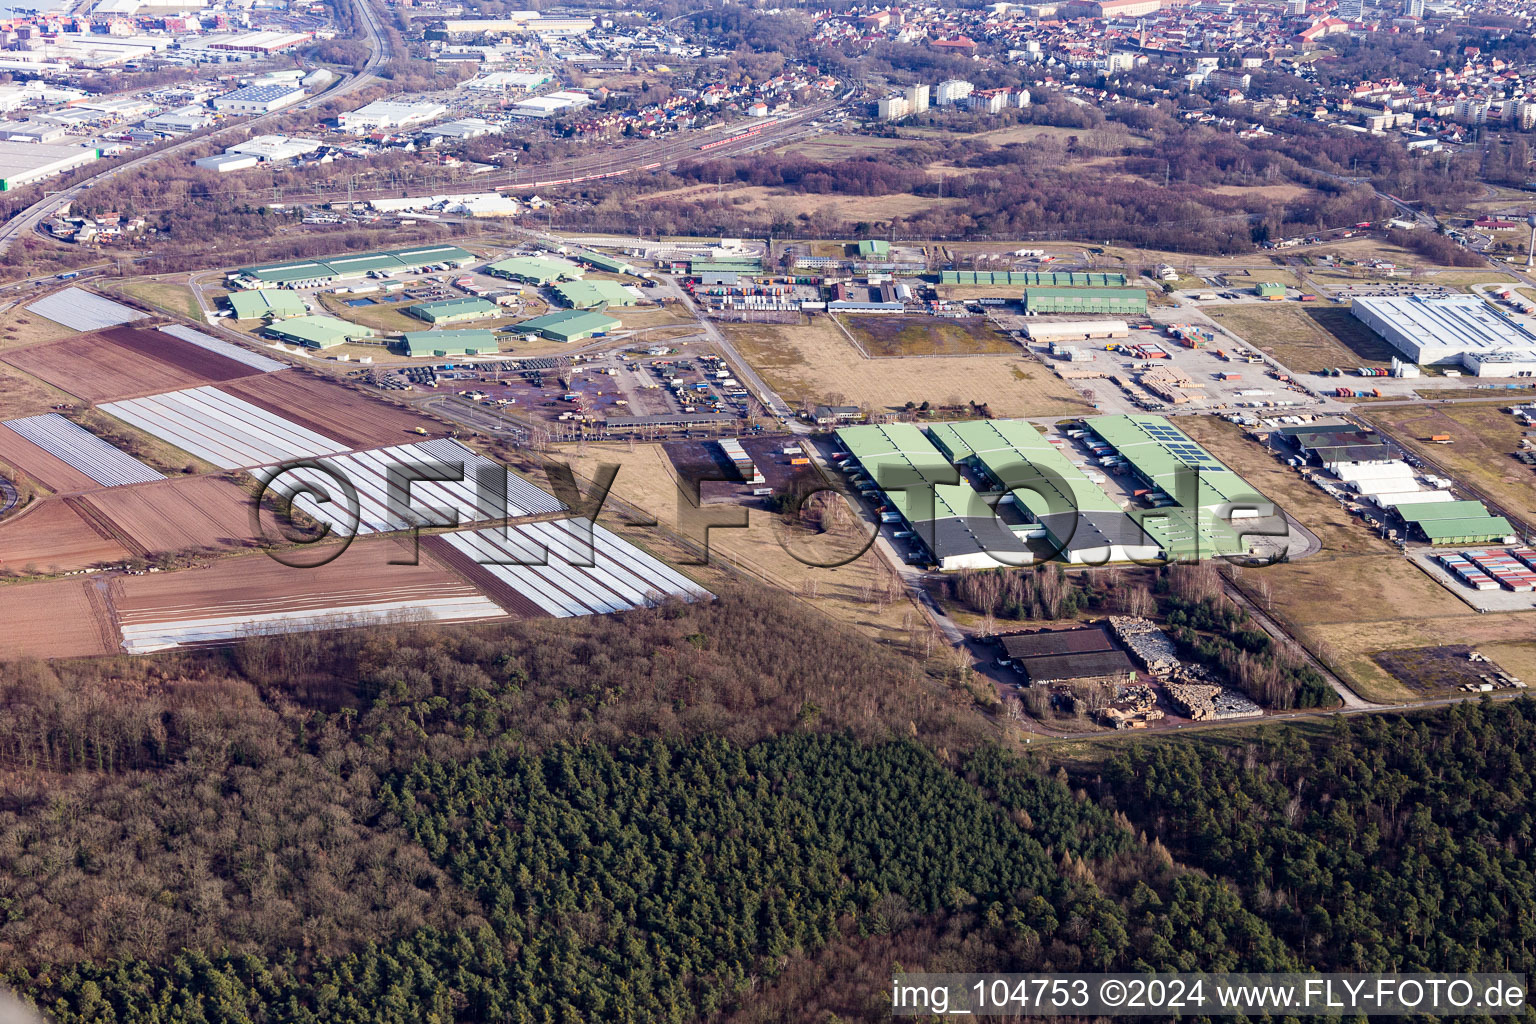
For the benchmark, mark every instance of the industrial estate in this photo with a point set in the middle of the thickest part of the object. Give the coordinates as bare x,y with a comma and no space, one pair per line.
497,507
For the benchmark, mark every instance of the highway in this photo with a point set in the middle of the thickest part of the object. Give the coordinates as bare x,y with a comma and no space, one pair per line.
29,219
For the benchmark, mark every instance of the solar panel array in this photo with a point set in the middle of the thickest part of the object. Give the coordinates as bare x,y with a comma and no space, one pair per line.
81,310
207,341
83,450
567,571
1179,445
386,502
227,431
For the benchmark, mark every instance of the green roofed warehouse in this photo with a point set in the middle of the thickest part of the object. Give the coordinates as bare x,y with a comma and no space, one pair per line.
610,264
316,273
1195,497
1454,522
535,270
317,331
454,311
595,294
567,325
450,343
264,303
1046,498
1123,301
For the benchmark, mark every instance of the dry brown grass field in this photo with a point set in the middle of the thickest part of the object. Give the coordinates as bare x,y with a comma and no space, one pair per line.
22,394
19,327
885,336
1358,595
1305,337
811,362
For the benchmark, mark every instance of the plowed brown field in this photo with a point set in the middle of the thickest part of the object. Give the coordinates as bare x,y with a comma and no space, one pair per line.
332,410
56,619
125,362
257,584
50,536
181,514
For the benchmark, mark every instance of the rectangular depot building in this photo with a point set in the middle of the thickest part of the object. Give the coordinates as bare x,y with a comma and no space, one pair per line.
567,325
316,273
454,311
450,343
1451,330
320,332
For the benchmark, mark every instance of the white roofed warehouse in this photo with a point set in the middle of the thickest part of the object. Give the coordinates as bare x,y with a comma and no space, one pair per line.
1451,330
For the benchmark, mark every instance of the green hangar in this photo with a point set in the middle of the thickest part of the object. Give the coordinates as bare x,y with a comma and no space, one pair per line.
567,325
450,343
317,331
454,311
264,303
1195,498
317,273
1061,513
1036,278
1122,301
1454,522
925,495
535,270
595,294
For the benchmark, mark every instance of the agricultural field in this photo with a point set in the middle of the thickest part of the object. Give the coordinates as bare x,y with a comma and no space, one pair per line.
1305,338
19,327
254,594
1483,437
883,336
125,362
223,429
332,409
39,467
22,394
49,536
815,361
57,619
191,514
1358,596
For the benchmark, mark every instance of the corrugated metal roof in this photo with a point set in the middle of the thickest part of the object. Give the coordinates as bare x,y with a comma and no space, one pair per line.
1427,511
1475,529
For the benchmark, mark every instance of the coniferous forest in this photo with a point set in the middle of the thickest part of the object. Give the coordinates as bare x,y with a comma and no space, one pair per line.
731,811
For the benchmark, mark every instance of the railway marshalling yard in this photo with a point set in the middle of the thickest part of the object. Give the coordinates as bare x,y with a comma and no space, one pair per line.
169,557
